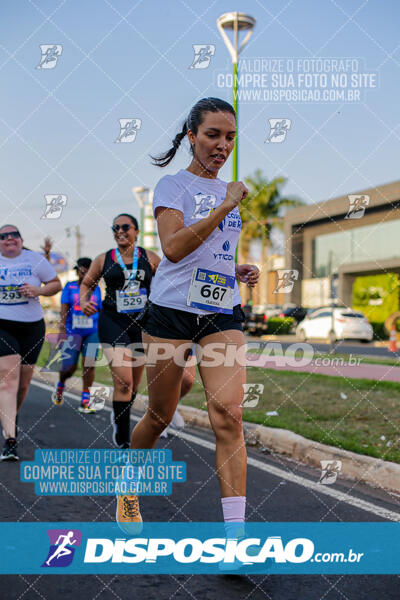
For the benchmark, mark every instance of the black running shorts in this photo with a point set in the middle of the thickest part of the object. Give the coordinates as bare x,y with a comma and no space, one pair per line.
117,331
23,338
173,324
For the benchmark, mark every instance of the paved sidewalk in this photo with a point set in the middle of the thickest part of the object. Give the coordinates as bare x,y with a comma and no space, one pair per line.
291,338
348,371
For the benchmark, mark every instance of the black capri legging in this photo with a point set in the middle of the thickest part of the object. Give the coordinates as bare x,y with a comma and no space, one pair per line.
20,337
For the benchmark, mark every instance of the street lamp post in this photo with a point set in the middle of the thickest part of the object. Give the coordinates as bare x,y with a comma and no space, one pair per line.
236,22
148,237
141,194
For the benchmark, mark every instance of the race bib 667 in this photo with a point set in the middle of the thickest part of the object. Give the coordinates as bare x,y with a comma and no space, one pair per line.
210,290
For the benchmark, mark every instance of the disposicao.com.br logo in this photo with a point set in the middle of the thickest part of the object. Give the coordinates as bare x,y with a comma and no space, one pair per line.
200,548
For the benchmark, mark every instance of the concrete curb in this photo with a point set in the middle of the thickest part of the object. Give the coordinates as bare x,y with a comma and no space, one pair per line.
357,467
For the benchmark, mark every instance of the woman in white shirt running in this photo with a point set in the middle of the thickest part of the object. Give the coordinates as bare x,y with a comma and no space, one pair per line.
195,298
22,329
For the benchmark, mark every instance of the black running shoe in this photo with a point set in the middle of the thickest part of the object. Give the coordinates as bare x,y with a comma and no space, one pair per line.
117,435
10,450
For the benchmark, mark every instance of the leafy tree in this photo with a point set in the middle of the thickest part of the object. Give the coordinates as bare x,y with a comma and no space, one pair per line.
262,210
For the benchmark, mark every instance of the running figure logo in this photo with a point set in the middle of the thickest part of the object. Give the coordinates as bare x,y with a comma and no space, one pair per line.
98,396
202,55
54,206
59,351
252,393
62,547
204,204
357,205
330,469
128,130
286,280
50,55
130,285
278,129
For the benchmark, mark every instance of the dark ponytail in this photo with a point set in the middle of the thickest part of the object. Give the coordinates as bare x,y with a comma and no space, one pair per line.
195,118
164,159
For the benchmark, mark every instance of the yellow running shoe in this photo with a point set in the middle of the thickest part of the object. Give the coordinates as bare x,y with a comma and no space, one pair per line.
85,408
128,515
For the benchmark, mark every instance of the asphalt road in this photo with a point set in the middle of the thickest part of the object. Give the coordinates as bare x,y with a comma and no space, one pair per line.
278,490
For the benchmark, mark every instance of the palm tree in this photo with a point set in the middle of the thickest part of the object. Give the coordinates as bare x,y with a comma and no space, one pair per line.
262,210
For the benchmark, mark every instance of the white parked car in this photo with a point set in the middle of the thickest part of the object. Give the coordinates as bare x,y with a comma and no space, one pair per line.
335,324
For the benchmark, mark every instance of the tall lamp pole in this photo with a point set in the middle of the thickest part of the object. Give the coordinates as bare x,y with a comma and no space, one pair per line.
235,22
141,194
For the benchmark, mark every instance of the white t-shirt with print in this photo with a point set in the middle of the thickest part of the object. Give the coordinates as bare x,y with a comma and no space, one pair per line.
195,196
28,267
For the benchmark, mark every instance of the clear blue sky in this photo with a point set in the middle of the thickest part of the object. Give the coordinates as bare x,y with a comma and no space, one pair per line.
130,59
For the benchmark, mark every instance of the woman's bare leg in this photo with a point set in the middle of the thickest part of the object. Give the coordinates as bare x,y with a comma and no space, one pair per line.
164,386
120,362
223,386
9,380
25,377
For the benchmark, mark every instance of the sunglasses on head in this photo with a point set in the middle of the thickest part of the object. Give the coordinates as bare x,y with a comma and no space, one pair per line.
13,234
125,227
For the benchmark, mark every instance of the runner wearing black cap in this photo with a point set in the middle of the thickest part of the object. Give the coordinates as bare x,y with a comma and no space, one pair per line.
82,333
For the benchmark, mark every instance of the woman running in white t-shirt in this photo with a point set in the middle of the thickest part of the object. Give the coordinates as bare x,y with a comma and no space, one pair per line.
195,298
22,328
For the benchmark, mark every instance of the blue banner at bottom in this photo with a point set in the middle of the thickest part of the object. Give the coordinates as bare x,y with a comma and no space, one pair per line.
200,548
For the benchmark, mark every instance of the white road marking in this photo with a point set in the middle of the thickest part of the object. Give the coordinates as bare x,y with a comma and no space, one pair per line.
272,470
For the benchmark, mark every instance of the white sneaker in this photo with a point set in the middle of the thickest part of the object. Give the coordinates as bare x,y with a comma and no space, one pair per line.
177,420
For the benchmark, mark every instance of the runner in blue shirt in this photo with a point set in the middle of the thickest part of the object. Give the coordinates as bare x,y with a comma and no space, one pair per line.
85,338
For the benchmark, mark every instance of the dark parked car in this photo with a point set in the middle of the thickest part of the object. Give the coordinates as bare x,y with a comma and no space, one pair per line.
298,313
247,308
257,321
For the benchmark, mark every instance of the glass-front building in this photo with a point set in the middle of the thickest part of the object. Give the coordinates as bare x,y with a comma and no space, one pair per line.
361,244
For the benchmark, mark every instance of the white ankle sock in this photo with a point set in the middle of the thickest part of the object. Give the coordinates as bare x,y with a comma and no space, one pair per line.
234,508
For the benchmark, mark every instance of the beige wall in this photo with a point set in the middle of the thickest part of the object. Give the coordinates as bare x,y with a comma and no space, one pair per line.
263,292
303,224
